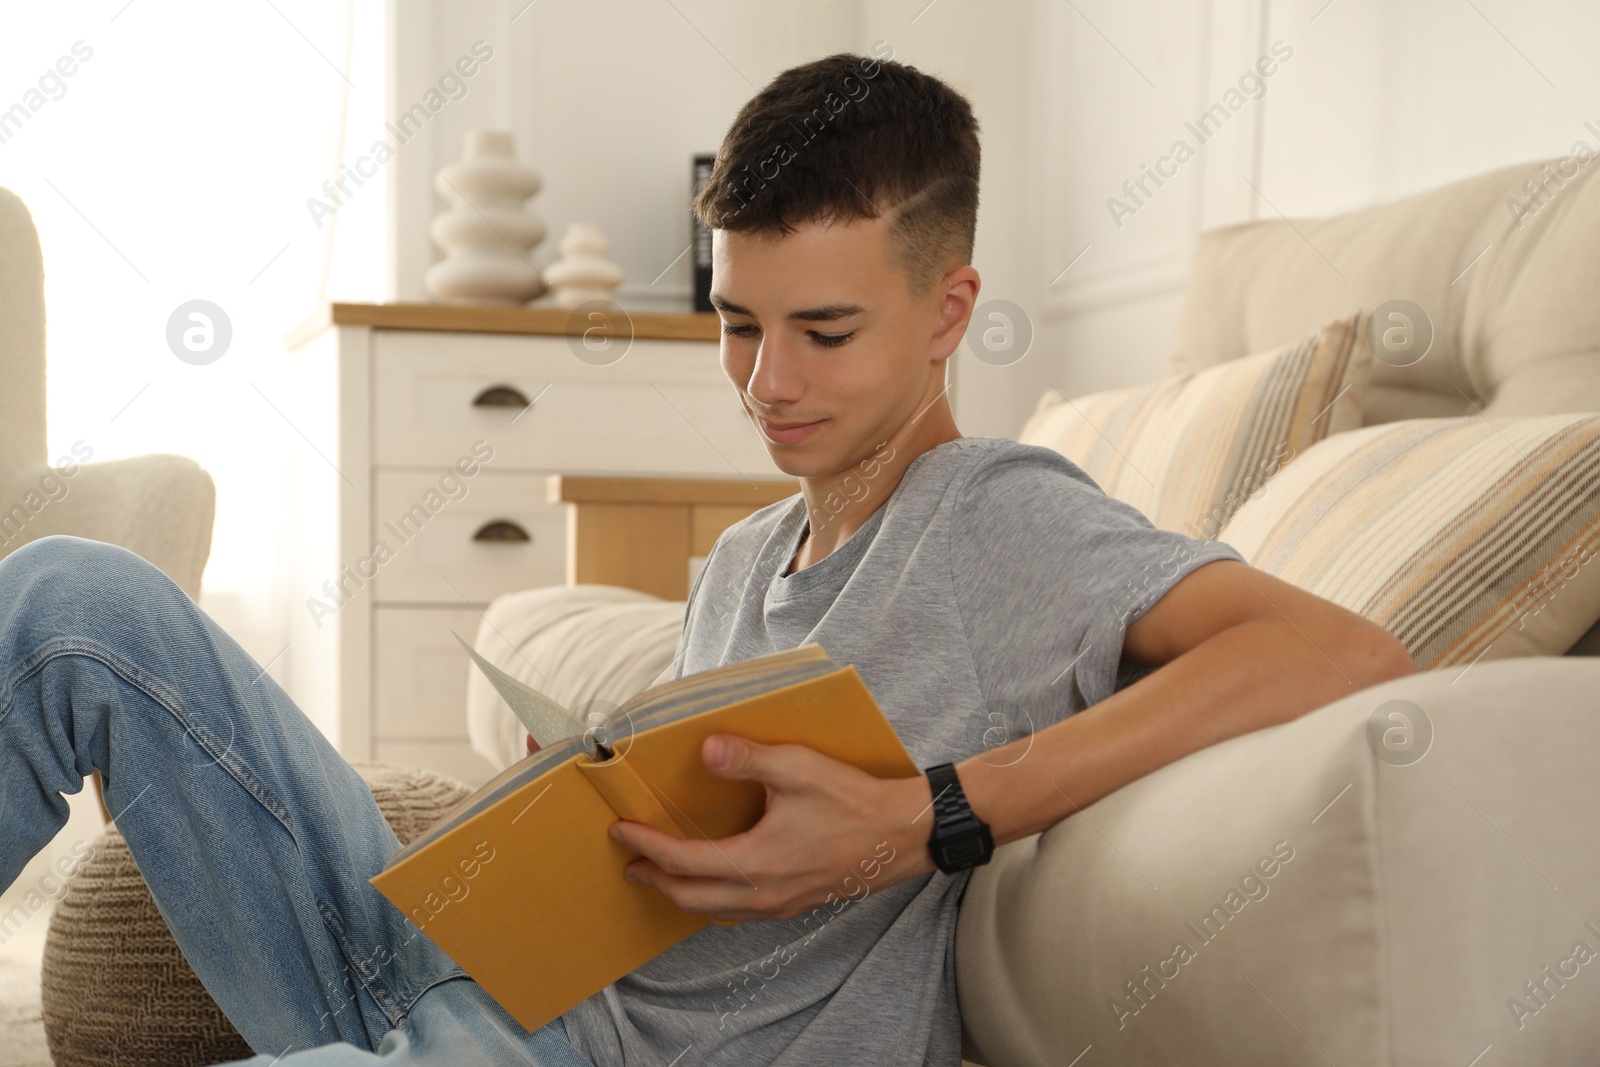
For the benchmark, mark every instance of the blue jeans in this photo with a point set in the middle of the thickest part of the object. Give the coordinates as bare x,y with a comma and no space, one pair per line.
255,837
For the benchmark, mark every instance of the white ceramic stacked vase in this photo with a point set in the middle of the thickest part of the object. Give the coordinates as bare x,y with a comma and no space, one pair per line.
583,272
486,234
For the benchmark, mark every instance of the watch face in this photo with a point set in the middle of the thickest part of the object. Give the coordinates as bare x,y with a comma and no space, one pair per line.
966,851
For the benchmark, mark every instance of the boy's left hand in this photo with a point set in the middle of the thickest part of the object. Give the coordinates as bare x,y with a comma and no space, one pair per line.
829,832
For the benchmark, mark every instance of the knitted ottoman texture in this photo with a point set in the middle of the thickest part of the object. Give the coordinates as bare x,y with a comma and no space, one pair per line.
116,988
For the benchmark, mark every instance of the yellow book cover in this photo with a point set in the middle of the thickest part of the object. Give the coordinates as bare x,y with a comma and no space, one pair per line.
521,884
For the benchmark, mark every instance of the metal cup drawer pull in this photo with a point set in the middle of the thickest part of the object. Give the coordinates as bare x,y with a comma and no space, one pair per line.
500,396
501,530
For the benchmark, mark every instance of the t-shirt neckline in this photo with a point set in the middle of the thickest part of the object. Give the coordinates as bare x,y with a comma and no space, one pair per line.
795,523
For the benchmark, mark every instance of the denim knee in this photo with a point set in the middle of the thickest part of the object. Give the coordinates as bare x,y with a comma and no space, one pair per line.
67,557
62,577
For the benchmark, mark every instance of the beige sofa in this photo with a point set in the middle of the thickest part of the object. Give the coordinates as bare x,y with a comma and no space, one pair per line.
1331,907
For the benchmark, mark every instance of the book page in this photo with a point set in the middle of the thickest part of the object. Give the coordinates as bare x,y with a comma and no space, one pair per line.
546,720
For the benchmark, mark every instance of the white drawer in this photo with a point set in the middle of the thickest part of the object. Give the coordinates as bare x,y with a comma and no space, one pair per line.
439,556
419,683
665,407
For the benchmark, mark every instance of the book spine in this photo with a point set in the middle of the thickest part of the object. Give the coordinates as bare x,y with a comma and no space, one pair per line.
700,236
629,795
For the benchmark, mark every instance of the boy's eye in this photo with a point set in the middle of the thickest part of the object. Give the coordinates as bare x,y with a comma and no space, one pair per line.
827,340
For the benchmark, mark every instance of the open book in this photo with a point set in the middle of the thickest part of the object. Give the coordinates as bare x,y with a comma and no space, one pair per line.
521,884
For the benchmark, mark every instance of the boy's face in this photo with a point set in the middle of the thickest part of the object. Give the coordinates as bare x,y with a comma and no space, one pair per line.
820,329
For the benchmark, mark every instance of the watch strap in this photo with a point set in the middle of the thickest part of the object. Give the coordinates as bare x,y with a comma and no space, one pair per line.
949,799
959,838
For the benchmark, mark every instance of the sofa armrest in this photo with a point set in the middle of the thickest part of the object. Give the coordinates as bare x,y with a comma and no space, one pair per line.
639,533
1415,902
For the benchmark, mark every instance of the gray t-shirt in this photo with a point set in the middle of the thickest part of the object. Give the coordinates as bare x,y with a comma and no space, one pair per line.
985,599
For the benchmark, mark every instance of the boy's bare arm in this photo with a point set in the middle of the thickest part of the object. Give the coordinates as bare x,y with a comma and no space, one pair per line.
1239,649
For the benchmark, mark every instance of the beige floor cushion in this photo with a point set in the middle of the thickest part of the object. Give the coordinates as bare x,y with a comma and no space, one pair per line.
1466,538
1187,451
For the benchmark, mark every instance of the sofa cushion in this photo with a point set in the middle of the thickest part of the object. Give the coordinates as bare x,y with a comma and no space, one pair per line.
1465,537
1501,265
1188,450
1371,912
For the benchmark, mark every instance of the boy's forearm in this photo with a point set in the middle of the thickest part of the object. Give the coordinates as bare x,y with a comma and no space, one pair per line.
1253,675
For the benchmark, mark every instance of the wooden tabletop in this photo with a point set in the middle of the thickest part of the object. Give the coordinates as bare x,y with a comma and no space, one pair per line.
603,489
500,318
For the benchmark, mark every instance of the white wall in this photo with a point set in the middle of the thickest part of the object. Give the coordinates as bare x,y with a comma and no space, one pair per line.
610,98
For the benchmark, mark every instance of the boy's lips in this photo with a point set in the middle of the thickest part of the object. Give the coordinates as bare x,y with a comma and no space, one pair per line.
787,432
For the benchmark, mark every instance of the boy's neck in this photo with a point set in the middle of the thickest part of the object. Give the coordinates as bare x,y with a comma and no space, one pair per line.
836,507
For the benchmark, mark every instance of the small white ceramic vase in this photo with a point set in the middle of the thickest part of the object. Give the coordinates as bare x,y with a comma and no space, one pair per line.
486,234
583,272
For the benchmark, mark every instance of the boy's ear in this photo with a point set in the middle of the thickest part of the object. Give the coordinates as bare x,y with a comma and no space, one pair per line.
955,310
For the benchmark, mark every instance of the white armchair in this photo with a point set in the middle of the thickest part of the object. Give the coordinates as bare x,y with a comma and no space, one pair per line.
159,506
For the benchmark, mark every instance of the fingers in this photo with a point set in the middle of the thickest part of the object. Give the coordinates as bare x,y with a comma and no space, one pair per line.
786,858
720,898
700,876
714,878
687,857
780,766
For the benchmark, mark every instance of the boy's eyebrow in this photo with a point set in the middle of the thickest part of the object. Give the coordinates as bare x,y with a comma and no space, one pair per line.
825,313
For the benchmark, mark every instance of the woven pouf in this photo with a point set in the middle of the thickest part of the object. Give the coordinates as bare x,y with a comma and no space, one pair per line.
116,988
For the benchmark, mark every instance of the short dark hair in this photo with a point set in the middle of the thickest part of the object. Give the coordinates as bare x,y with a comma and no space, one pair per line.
849,137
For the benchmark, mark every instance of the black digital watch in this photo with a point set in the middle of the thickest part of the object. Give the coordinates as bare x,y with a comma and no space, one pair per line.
960,839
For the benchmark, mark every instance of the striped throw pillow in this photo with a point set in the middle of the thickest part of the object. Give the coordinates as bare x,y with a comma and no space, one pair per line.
1466,538
1189,450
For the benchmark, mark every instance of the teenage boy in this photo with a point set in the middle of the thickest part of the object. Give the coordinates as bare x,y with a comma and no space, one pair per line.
1007,615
